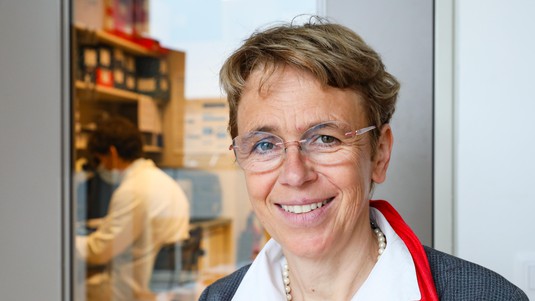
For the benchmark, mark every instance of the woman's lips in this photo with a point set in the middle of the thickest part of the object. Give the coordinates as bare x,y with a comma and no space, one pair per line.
299,209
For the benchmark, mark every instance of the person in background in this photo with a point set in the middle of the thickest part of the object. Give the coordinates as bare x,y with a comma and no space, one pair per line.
147,210
310,110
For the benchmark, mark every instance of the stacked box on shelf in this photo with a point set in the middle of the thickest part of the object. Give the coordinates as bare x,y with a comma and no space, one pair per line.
88,62
113,15
119,70
164,83
140,19
96,64
130,72
118,15
152,139
153,77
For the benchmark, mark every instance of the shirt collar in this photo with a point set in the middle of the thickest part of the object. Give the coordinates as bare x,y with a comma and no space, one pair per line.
392,278
263,280
394,275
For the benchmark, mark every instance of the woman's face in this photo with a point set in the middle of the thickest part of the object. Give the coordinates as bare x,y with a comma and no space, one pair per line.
288,104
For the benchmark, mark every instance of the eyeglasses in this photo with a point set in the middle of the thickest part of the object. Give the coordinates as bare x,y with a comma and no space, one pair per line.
327,143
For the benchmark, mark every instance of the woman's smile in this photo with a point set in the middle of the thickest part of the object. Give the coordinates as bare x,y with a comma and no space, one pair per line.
307,214
300,209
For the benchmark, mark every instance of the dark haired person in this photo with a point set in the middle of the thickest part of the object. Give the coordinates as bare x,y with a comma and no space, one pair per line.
148,209
310,110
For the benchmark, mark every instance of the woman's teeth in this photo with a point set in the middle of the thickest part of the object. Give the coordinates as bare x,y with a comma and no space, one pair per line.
303,208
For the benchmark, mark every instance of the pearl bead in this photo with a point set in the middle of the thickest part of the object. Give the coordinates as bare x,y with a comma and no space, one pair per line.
286,280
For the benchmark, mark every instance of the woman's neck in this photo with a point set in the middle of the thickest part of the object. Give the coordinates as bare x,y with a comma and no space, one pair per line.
338,275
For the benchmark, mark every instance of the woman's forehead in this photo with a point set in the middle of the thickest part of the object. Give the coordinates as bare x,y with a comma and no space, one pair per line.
271,79
294,100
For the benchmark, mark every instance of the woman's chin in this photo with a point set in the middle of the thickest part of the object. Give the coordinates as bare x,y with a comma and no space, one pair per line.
306,247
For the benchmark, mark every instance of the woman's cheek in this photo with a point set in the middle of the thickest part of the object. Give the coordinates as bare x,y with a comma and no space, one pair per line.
259,187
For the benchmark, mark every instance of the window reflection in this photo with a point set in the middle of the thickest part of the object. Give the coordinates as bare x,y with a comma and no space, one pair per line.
147,215
137,238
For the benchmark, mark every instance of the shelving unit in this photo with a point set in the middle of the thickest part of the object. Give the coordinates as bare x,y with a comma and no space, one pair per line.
89,35
92,100
92,91
152,149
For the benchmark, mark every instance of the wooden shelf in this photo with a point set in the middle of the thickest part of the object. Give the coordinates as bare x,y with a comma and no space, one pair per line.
94,36
146,148
93,91
152,149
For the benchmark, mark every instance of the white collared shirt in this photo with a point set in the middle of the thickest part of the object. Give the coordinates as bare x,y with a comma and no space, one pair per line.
392,278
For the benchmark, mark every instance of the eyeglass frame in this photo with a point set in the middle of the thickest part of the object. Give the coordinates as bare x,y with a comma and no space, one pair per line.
298,143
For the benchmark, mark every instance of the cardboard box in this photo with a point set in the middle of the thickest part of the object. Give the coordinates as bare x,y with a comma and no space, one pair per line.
104,77
130,72
119,78
105,14
89,13
96,65
119,72
130,81
87,62
153,77
141,17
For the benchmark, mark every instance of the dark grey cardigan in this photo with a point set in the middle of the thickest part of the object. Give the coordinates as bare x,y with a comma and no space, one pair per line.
455,280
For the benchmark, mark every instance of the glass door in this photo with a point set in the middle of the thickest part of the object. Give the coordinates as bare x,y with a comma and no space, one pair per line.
161,209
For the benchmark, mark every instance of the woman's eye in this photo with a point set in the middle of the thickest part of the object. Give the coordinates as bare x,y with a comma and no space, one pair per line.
263,146
327,139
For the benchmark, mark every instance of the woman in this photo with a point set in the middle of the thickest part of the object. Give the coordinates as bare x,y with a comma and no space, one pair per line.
310,107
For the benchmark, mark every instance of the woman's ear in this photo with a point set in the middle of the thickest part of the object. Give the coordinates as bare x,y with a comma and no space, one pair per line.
382,154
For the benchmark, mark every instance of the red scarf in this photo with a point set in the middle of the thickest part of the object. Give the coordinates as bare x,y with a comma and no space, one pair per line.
423,271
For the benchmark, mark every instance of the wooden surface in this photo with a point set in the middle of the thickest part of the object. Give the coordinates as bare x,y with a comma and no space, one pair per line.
216,242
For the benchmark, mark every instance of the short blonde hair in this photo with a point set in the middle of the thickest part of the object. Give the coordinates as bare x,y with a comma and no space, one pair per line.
335,55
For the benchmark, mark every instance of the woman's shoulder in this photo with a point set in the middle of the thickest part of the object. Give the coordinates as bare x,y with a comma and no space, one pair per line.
224,288
458,279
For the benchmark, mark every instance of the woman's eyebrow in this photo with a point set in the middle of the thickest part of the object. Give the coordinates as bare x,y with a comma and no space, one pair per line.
308,126
264,128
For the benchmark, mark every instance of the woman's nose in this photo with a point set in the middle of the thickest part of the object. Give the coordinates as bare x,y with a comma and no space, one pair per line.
296,169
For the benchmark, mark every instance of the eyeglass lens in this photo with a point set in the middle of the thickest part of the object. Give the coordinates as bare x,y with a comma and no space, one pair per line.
326,143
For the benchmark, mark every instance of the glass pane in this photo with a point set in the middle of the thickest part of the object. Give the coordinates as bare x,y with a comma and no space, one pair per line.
161,208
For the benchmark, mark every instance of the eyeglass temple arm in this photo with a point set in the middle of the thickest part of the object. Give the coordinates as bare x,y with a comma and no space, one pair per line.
361,131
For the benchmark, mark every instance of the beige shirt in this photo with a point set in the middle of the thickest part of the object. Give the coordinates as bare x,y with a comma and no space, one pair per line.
147,210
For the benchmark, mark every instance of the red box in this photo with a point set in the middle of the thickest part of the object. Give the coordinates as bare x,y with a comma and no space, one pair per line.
140,12
118,15
104,77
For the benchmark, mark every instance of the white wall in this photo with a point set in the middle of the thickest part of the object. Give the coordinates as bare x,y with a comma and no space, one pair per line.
495,130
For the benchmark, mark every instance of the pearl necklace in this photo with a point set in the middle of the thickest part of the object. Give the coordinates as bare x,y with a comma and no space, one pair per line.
286,271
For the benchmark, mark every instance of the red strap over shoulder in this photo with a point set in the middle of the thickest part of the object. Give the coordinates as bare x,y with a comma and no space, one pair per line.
423,271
